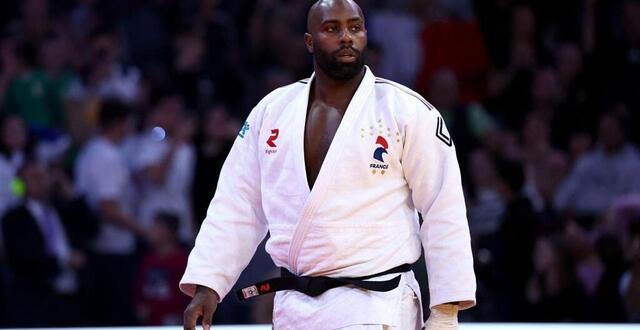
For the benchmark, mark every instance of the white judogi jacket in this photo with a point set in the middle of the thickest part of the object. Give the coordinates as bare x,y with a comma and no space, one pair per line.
391,158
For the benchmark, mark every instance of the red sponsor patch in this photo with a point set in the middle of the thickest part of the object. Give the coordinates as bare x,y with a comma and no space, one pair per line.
274,135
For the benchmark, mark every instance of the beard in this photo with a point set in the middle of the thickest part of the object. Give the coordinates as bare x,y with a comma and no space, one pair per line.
328,63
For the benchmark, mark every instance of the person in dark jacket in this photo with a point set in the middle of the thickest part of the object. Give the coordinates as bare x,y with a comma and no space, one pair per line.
42,265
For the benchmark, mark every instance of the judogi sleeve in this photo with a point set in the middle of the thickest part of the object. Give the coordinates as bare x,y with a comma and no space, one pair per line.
235,224
433,174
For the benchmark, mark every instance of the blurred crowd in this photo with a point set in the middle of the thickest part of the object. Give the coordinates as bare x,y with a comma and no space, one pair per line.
116,117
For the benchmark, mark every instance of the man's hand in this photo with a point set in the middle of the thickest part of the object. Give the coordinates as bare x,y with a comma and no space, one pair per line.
443,317
203,304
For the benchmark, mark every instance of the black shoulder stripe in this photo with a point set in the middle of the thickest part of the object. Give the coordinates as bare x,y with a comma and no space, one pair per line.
440,133
304,81
405,90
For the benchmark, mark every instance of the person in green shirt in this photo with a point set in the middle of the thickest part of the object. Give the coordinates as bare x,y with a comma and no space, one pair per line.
32,95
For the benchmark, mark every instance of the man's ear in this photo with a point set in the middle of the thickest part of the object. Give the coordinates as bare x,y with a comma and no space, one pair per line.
308,42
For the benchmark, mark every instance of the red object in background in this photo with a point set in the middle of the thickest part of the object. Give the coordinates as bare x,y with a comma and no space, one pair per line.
156,290
460,47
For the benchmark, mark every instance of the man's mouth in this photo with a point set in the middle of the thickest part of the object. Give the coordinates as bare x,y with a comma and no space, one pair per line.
346,55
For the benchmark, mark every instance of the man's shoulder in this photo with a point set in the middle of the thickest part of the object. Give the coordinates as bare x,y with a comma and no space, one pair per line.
284,93
403,92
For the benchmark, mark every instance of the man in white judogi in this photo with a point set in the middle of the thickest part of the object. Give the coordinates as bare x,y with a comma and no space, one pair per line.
336,169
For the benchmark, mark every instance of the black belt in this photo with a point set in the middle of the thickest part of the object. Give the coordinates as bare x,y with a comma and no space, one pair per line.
315,286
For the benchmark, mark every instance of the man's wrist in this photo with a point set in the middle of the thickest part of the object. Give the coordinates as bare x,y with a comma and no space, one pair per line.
444,316
208,291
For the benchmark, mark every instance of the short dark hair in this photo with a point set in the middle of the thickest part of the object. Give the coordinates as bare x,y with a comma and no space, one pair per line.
112,112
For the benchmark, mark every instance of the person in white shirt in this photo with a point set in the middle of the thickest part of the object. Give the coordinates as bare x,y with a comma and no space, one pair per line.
611,170
103,177
165,163
336,169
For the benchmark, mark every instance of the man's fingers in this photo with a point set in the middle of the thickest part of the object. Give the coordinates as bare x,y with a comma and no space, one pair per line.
191,315
208,315
204,303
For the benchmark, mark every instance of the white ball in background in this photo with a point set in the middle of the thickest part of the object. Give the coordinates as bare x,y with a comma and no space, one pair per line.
158,133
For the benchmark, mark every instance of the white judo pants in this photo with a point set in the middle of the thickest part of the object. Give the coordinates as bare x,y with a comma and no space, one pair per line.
410,315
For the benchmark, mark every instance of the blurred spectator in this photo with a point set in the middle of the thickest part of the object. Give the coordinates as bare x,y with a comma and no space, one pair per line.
279,44
42,263
551,103
486,204
84,18
55,62
14,145
515,237
272,78
630,282
35,19
598,268
546,94
10,66
54,59
607,303
457,44
493,17
578,111
398,35
553,292
628,82
106,75
509,84
609,171
213,142
157,298
103,177
545,166
468,123
146,36
31,93
624,222
103,77
224,58
618,57
189,65
165,163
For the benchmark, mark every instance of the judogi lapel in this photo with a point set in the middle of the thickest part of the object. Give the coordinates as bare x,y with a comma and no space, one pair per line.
325,177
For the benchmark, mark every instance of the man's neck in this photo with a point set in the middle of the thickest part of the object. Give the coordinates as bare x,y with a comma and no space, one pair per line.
335,93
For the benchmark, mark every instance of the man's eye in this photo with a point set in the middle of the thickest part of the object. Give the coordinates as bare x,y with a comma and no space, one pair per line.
356,28
330,29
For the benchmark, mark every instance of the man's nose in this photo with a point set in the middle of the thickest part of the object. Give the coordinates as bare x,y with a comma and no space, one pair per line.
346,37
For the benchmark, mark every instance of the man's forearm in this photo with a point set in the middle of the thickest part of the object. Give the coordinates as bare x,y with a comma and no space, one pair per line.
209,291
